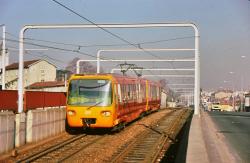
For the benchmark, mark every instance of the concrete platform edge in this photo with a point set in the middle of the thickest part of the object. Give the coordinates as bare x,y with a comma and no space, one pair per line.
206,144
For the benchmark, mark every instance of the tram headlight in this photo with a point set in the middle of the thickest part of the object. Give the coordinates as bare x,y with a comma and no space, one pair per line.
71,112
106,113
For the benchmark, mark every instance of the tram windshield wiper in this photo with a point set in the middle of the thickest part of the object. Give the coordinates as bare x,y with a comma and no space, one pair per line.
95,105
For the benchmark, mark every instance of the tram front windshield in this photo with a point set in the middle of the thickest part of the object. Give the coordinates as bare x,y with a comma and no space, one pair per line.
90,92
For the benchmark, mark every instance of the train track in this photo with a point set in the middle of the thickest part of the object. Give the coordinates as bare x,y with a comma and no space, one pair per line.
81,147
151,145
63,151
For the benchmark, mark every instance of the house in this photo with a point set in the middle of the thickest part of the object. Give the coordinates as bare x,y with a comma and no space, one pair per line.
34,71
49,86
223,94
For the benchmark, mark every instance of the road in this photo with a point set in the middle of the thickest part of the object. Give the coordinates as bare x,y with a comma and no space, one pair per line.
236,128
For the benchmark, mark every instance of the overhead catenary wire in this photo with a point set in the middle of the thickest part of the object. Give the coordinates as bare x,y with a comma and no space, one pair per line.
79,46
11,48
56,48
107,45
95,45
107,31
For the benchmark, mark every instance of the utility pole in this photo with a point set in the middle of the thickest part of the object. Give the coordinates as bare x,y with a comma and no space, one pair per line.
3,58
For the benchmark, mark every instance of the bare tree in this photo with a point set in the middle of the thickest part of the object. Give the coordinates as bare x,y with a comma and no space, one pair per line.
85,67
163,83
71,67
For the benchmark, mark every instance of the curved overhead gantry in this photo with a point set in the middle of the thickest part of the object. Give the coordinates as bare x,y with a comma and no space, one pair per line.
77,26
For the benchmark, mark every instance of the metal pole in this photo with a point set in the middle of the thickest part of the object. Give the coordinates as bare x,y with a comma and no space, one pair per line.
78,67
3,58
20,72
153,69
191,76
65,80
98,60
137,50
197,74
181,84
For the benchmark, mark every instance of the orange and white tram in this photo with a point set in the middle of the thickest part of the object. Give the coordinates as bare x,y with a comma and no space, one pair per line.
109,100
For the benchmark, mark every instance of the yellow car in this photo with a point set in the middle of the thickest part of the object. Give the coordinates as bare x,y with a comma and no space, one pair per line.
216,107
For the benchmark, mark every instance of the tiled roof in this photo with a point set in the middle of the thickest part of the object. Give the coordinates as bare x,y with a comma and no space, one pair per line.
46,84
15,65
224,91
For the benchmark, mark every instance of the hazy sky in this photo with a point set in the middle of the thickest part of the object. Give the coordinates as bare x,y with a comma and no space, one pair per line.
224,31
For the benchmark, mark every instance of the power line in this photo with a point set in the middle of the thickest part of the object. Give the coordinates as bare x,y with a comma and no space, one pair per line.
105,30
98,45
95,45
57,48
79,46
46,56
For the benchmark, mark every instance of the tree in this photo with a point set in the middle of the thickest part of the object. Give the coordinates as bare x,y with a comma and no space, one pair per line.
85,67
163,83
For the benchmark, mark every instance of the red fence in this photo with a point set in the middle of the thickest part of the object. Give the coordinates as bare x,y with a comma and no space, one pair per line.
8,100
35,100
32,100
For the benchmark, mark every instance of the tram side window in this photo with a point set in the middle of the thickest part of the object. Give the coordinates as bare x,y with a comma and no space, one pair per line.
138,90
143,92
153,92
134,92
127,92
158,92
149,91
124,93
119,93
130,92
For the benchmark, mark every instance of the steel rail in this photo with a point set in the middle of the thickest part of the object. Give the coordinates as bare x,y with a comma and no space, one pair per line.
80,149
144,135
40,154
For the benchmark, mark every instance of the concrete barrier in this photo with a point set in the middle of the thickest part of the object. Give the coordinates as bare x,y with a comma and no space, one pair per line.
7,131
44,123
20,129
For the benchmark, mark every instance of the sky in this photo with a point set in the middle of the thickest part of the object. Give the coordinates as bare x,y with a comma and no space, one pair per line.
224,28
